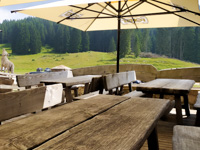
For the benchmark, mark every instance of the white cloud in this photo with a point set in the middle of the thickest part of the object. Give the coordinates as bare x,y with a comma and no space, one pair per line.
5,14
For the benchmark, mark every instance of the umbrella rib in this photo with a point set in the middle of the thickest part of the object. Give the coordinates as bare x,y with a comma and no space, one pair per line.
109,4
196,13
181,10
92,10
124,4
132,17
96,17
148,14
74,13
107,9
133,7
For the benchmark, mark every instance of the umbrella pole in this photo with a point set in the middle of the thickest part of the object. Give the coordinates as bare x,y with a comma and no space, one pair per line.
118,35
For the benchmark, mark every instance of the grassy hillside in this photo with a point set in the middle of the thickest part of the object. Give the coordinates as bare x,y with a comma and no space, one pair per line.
46,59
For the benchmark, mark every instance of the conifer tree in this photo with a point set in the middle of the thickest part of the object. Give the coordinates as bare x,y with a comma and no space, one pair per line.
75,41
85,42
112,45
125,43
35,40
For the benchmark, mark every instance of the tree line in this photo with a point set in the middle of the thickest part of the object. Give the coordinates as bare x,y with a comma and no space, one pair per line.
27,36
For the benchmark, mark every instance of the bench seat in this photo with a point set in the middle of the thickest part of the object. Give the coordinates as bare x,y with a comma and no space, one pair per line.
186,138
135,94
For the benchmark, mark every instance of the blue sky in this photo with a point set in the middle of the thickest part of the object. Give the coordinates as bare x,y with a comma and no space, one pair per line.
5,12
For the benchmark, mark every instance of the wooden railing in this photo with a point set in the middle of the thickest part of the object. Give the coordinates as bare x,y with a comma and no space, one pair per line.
143,72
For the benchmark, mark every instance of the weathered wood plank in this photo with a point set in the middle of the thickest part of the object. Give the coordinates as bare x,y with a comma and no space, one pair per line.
34,79
167,86
125,126
144,72
135,94
181,73
118,79
186,138
14,104
34,130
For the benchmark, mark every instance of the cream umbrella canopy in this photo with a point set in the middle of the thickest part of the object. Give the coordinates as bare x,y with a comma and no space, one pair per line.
90,15
15,2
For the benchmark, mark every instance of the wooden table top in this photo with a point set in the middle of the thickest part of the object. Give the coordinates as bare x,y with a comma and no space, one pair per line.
101,122
168,86
72,80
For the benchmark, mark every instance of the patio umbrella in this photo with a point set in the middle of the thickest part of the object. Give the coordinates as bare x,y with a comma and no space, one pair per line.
15,2
90,15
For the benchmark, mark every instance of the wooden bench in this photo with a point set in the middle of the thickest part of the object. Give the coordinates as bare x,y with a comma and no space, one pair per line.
197,107
30,80
95,88
186,138
13,104
118,80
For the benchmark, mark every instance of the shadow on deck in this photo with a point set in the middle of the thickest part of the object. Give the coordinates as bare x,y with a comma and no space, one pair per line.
165,129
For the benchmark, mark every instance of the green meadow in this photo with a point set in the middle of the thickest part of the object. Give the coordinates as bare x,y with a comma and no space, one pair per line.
47,59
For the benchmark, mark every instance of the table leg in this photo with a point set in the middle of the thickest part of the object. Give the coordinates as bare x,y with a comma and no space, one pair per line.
186,105
178,106
153,140
68,94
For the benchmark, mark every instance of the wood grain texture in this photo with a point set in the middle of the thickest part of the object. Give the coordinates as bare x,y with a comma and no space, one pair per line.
34,79
34,130
13,104
118,79
144,72
69,81
186,138
125,126
192,73
135,94
17,103
167,86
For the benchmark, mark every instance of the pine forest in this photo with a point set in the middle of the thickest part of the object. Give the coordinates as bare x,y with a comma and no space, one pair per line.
27,36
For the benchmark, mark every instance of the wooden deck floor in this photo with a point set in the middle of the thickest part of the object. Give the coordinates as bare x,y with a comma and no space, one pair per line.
165,129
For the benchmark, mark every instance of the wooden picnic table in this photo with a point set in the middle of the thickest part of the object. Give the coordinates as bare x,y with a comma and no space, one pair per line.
69,82
176,87
101,122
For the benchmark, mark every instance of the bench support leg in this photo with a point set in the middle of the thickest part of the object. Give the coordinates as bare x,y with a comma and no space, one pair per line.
75,92
186,105
153,140
197,121
86,89
68,94
130,87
